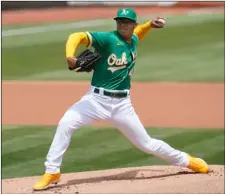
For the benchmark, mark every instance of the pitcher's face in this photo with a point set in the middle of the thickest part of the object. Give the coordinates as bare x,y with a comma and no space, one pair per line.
125,27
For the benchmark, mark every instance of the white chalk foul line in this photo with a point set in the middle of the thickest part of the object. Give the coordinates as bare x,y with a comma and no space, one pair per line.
74,25
56,27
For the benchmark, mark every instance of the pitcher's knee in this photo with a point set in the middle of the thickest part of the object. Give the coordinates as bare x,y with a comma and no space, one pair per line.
150,145
145,146
68,124
71,120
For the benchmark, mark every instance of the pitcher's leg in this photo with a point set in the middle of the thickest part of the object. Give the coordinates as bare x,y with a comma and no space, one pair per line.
80,114
130,125
72,120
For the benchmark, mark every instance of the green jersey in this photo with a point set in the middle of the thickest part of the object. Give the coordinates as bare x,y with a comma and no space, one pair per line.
114,69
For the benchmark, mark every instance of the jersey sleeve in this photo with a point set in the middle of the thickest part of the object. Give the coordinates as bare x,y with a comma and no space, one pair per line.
74,41
142,30
98,40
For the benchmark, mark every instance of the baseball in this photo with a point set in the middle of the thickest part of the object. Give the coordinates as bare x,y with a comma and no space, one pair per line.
161,20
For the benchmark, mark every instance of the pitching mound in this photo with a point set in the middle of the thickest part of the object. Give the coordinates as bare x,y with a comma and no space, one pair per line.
147,179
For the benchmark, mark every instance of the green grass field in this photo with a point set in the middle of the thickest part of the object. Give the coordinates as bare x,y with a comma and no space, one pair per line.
24,148
190,48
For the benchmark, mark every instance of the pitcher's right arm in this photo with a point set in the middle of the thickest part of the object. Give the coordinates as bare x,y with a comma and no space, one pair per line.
98,40
74,40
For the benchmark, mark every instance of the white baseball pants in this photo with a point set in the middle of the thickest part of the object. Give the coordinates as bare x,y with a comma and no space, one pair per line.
121,113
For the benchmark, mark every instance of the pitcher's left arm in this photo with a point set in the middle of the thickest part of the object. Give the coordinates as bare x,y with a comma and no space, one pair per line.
142,30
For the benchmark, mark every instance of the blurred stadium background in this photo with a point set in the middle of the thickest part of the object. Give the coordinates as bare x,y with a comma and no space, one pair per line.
191,49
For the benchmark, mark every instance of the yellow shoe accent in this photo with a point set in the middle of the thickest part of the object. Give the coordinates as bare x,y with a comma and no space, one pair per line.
198,165
46,180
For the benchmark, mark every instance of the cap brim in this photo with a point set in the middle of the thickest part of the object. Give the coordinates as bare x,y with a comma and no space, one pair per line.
124,17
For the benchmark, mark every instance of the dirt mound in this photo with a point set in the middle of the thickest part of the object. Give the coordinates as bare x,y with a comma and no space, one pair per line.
146,179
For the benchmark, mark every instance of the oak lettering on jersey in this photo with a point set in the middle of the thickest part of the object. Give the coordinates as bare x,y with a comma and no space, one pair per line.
120,63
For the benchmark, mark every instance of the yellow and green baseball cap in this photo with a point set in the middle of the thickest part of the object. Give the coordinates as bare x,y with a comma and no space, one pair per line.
126,13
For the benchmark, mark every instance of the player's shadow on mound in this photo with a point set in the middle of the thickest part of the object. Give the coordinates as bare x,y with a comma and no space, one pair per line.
128,175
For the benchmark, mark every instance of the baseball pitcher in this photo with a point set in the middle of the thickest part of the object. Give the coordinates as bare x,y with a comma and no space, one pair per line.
112,62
